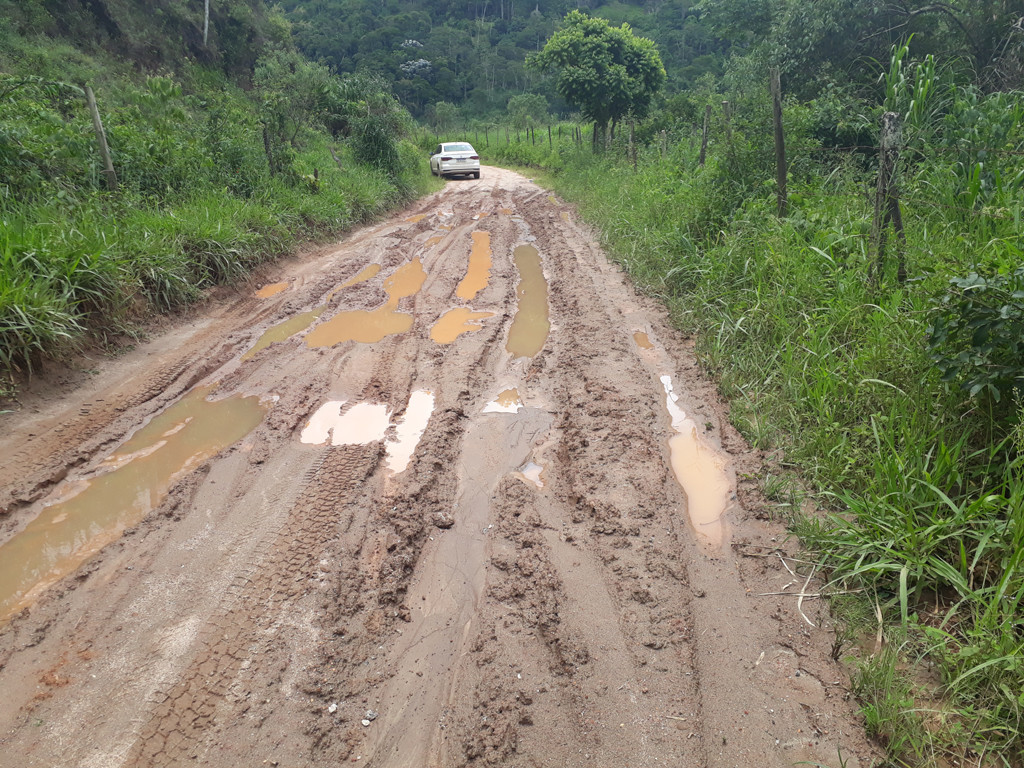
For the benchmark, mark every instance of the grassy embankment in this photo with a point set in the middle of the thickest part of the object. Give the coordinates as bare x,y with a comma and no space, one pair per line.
196,202
920,481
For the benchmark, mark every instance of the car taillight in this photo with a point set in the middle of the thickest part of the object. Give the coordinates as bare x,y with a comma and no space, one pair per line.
447,158
474,157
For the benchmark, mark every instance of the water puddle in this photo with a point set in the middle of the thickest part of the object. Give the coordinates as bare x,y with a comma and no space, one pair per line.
417,218
369,326
642,341
565,216
431,241
284,330
479,271
481,215
137,478
271,290
507,211
506,402
361,424
366,273
365,423
532,472
699,470
456,322
552,199
409,430
530,326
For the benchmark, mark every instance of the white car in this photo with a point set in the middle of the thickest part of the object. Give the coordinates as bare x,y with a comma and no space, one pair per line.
455,158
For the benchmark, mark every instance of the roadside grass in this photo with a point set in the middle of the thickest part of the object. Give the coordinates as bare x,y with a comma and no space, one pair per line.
921,488
100,261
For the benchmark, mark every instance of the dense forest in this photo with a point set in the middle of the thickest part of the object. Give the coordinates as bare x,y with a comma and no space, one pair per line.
866,326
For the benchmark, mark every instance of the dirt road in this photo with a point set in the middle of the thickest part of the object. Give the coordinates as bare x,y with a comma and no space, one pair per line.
448,493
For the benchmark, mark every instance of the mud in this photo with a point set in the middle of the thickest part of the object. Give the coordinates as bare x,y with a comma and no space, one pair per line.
492,563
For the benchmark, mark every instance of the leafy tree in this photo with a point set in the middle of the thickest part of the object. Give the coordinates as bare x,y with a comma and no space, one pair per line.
606,71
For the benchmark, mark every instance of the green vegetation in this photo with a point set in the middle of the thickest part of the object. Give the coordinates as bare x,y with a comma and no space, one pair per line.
898,403
211,179
605,71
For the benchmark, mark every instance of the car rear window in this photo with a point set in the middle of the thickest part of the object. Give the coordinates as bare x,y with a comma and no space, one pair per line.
458,148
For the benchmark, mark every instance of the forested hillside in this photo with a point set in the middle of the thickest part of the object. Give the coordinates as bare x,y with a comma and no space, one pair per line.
471,55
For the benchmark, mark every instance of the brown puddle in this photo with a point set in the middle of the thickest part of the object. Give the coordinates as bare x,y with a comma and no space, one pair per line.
507,211
642,341
73,529
456,322
364,274
700,472
530,326
506,402
433,240
479,271
369,326
417,218
271,290
284,330
481,215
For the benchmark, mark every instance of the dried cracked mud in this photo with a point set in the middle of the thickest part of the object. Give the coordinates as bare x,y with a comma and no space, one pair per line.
408,502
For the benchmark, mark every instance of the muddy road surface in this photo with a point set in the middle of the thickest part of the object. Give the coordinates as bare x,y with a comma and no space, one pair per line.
447,493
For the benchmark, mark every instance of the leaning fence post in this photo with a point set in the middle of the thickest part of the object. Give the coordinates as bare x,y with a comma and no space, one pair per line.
101,139
887,200
780,143
704,137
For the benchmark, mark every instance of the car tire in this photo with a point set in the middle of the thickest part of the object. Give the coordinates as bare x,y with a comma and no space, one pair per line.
476,175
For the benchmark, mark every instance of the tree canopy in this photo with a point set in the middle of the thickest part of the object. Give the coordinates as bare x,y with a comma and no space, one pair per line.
605,71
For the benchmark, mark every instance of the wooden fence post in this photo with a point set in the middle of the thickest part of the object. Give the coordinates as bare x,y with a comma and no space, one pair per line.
704,139
887,201
727,115
780,143
632,143
487,141
549,137
664,143
101,139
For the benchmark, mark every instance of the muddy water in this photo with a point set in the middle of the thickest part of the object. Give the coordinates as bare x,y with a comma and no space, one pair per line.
371,326
136,479
365,274
409,430
433,240
456,322
417,218
700,472
285,330
479,271
271,290
532,472
530,326
361,424
642,341
506,402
